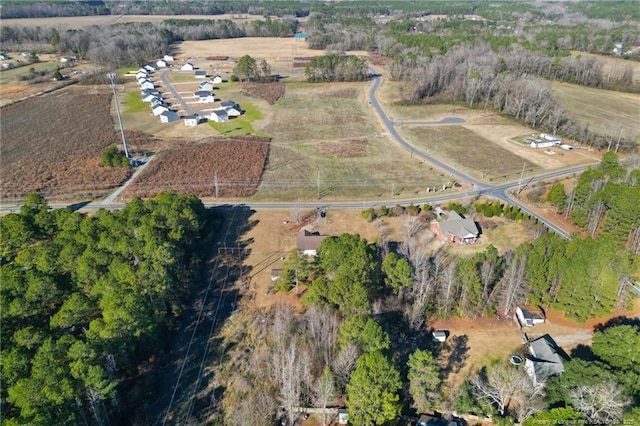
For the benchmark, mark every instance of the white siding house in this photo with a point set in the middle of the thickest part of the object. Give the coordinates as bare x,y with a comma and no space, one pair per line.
146,85
159,109
234,111
218,115
216,79
201,74
168,58
191,120
206,85
161,63
169,116
187,67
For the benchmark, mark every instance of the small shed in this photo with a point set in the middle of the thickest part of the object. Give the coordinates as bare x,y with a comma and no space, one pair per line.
169,116
187,67
201,74
528,317
275,274
439,336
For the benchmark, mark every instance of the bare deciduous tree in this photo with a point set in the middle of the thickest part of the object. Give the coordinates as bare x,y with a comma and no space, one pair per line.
513,283
600,403
324,391
503,386
322,327
344,363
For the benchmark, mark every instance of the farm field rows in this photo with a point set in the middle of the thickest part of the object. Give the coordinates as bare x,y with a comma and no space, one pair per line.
53,144
606,111
238,163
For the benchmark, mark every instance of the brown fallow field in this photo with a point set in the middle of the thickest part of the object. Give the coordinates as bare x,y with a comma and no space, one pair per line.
53,144
238,163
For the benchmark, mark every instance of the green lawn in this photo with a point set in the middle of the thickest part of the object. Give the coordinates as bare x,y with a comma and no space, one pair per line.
240,125
134,103
182,78
12,75
125,70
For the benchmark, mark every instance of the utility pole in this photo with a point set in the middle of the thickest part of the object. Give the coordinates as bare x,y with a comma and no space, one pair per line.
112,76
215,183
521,176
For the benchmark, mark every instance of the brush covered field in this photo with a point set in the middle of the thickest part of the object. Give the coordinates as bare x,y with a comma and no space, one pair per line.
237,161
53,144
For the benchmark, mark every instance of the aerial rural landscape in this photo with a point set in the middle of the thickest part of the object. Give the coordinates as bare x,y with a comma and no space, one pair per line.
319,212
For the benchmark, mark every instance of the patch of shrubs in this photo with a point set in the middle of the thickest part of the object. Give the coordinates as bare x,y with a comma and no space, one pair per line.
372,214
498,209
114,158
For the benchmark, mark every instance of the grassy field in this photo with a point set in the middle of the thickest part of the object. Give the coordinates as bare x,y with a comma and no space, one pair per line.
468,151
240,125
13,75
606,111
135,104
183,77
308,119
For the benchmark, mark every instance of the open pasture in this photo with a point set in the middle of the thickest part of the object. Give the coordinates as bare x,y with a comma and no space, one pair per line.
53,144
279,52
468,151
606,111
326,141
237,161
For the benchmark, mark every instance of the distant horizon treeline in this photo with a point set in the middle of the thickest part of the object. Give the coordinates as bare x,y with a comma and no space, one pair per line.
41,9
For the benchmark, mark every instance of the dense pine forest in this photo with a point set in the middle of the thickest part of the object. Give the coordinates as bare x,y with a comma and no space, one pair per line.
87,301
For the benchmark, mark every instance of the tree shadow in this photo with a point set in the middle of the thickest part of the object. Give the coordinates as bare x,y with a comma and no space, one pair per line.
179,382
453,354
614,322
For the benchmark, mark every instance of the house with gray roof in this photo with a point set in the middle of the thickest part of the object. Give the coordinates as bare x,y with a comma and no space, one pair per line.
308,242
454,228
546,359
